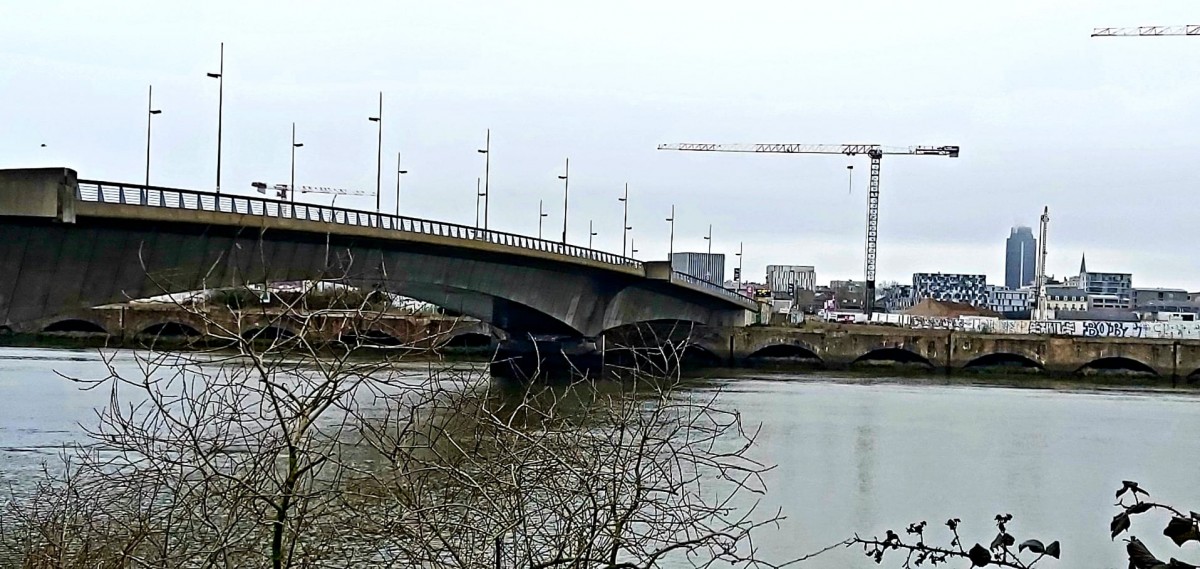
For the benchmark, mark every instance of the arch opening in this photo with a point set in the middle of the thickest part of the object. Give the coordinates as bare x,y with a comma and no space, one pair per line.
469,341
893,357
74,326
784,354
695,356
1116,365
169,330
1006,361
370,338
268,333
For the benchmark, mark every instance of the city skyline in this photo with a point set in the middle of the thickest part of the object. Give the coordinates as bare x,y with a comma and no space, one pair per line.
546,91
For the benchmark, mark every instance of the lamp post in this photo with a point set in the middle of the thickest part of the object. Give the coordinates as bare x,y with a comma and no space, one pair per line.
632,248
486,151
379,153
738,280
671,245
478,194
150,112
541,216
591,234
220,77
399,173
292,186
709,239
566,192
625,218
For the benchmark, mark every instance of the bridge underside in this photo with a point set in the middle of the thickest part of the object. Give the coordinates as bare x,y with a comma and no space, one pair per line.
53,268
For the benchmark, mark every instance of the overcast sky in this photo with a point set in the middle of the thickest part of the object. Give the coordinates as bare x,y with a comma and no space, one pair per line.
1101,130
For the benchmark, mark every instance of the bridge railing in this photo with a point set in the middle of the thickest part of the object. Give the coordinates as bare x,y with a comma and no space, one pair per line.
710,286
174,198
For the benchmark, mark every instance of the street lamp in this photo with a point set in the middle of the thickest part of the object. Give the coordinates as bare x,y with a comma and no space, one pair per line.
632,248
738,280
541,216
399,173
220,77
625,218
292,186
379,157
566,192
591,234
478,194
709,239
486,151
150,112
671,246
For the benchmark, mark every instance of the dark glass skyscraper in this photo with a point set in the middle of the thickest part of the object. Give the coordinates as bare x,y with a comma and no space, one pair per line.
1020,258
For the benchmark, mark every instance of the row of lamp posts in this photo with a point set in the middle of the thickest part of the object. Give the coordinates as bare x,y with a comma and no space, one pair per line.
627,247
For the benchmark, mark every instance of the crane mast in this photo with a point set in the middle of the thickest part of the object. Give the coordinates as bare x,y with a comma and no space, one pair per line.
873,151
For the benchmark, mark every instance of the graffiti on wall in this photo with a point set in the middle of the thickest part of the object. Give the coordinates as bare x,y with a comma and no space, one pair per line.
1081,328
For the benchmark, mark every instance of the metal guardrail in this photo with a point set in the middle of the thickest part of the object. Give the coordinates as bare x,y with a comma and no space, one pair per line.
152,196
711,286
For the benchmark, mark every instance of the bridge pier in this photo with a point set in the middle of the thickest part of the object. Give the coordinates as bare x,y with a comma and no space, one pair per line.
548,358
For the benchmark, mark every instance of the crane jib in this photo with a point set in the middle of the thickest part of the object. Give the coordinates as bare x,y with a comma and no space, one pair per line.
844,149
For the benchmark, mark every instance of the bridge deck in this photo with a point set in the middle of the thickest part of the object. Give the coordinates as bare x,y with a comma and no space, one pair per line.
110,199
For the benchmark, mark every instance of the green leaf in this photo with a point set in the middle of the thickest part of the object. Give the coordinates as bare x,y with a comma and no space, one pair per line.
1032,545
979,556
1120,523
1181,531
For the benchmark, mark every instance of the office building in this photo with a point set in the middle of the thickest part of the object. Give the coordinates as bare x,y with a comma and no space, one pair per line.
1020,258
897,298
704,266
1146,296
1066,298
951,287
785,278
1007,301
1116,284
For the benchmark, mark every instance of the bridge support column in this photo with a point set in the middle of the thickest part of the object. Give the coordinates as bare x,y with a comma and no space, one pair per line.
548,359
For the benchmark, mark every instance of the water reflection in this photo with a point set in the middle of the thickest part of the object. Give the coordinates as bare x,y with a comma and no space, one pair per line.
855,453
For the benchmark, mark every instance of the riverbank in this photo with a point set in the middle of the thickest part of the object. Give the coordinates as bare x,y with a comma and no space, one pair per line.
695,364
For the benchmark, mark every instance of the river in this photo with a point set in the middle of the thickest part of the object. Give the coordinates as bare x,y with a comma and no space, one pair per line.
855,453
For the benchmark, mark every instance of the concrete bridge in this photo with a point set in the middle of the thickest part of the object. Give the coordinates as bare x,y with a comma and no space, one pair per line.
68,244
841,347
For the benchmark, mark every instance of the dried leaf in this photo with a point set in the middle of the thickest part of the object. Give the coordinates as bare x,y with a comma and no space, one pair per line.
1129,485
1120,523
1138,508
979,556
1032,545
1139,556
1181,531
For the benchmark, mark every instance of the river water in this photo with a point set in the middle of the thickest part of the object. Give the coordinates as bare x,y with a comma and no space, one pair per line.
854,453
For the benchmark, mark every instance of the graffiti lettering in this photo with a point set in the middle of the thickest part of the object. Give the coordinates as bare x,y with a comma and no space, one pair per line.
1083,328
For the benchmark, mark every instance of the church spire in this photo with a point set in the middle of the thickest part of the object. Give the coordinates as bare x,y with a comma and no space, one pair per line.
1083,264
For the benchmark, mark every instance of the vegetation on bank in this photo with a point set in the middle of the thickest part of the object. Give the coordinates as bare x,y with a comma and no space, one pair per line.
280,453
